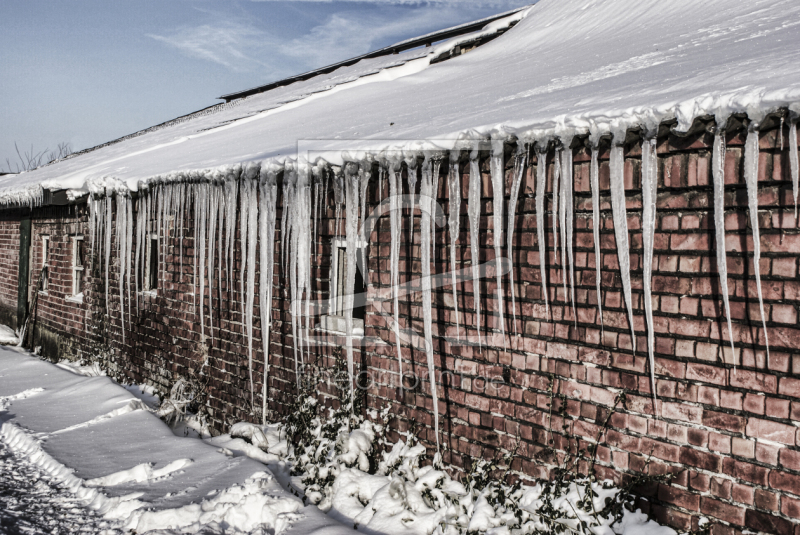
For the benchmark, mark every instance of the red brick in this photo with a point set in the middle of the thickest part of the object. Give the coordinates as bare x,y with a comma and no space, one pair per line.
771,430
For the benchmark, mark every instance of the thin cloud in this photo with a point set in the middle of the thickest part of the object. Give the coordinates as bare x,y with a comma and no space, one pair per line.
237,46
346,35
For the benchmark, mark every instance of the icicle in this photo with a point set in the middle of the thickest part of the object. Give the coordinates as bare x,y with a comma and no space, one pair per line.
718,174
474,214
496,165
620,214
556,191
649,198
594,172
290,191
195,243
92,221
244,206
139,240
519,171
287,206
252,236
351,226
365,174
221,239
394,256
122,218
751,179
793,164
268,192
411,177
128,248
200,220
454,213
159,215
381,172
231,188
436,170
426,208
541,186
567,226
213,216
181,217
107,251
314,247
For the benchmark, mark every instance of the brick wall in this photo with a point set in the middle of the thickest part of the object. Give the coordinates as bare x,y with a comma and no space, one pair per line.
9,268
729,435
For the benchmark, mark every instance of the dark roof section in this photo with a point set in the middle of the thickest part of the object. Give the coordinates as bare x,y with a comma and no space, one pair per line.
396,48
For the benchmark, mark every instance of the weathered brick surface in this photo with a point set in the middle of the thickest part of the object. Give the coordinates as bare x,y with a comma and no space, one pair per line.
725,423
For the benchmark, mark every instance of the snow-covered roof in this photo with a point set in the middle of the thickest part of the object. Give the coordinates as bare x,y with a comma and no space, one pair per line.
568,67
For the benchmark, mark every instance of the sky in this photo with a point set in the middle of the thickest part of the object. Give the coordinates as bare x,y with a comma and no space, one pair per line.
88,71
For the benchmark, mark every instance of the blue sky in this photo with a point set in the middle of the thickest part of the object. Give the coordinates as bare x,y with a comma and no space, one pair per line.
88,71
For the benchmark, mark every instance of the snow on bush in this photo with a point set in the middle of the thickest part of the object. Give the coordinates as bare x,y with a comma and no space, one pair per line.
344,465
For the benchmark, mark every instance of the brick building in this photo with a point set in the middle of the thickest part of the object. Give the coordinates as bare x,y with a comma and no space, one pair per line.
160,274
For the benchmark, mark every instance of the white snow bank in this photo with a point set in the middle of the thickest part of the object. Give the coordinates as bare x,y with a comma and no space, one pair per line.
7,336
570,66
119,459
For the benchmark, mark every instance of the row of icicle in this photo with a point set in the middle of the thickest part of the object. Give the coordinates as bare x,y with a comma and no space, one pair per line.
250,192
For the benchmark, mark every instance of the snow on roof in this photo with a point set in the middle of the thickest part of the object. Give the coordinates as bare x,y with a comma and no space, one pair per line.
568,67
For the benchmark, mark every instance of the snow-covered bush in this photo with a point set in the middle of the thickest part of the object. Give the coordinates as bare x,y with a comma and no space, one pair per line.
343,464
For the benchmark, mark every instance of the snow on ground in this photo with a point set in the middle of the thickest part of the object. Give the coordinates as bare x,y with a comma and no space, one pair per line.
92,449
7,336
33,501
570,66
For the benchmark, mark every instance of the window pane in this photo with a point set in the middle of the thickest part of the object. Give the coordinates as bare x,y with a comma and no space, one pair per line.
78,253
153,266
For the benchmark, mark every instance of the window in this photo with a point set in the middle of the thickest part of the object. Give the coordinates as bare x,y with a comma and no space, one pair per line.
334,321
45,264
77,265
150,282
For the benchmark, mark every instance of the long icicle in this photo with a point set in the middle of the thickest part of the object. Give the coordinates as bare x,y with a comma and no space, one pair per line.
454,219
139,241
107,250
268,192
122,218
649,197
594,172
718,174
474,214
519,172
252,232
541,187
556,201
200,221
213,217
620,214
497,166
426,208
793,163
751,179
567,223
351,226
394,256
128,250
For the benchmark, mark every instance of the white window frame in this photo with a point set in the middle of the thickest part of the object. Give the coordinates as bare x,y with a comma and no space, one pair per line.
334,320
335,303
77,271
45,263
